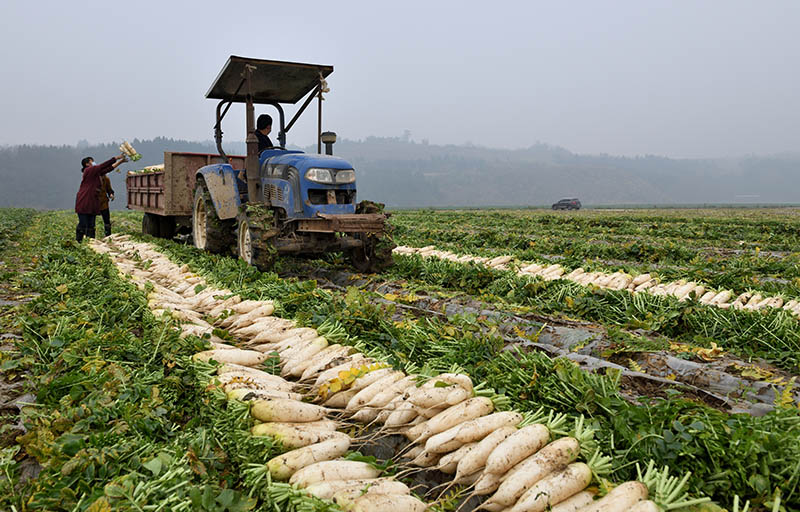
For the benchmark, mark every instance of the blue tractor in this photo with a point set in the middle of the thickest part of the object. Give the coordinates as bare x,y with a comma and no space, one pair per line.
283,201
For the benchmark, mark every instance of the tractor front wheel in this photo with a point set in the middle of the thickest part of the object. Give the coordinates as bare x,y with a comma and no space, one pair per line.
255,236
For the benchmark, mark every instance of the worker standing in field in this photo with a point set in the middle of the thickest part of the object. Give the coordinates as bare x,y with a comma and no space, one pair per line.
105,194
87,204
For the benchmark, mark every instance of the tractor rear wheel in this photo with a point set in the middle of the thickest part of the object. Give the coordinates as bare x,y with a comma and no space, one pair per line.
255,236
208,231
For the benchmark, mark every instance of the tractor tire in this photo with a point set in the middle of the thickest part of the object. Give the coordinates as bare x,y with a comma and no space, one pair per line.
255,236
376,252
209,233
150,224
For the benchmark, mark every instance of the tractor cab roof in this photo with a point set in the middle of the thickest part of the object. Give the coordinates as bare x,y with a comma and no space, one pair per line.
271,81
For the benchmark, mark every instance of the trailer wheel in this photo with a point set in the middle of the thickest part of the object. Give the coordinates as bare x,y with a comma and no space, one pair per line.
166,227
208,231
150,224
255,236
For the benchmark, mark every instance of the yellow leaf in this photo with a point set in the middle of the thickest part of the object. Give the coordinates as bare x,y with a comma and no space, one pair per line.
390,296
100,505
344,374
62,289
336,386
671,376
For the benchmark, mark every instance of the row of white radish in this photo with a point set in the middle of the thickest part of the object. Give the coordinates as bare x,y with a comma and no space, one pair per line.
522,468
681,289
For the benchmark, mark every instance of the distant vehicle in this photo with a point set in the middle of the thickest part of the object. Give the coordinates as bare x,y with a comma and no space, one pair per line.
567,204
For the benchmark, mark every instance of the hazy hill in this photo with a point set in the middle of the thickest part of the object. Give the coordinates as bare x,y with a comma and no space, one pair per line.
401,172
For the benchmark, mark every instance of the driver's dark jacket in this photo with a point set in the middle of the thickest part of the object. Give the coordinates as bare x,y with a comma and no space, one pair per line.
263,141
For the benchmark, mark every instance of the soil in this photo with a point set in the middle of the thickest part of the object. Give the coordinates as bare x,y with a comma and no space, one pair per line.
14,389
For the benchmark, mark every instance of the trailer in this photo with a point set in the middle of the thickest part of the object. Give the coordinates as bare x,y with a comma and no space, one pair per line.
165,196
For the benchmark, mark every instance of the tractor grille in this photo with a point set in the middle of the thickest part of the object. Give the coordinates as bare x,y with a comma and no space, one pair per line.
275,193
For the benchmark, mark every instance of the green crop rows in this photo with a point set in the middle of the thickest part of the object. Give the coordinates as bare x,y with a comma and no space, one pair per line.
122,422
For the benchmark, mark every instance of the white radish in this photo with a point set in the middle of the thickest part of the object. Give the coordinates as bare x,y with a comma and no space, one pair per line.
622,498
402,415
555,455
555,488
476,458
458,414
449,463
523,443
341,399
470,431
346,497
363,397
388,503
323,361
236,356
293,411
392,392
333,470
284,466
265,429
575,502
426,459
645,506
246,394
486,484
326,490
297,369
348,363
316,346
293,437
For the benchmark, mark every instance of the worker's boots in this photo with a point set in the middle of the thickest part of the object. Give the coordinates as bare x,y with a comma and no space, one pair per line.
107,228
79,234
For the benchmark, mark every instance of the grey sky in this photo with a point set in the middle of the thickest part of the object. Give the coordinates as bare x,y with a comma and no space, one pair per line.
675,78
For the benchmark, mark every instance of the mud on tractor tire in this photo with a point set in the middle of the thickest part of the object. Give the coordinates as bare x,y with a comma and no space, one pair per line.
209,233
255,236
376,253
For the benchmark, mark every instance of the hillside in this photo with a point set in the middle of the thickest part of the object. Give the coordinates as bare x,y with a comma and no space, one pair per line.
401,172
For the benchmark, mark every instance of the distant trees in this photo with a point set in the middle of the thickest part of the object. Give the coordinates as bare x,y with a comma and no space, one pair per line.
399,172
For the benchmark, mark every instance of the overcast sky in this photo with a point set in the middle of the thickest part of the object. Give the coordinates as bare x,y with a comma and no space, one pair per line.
675,78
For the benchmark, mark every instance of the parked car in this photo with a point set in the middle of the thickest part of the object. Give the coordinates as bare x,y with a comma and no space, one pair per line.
568,204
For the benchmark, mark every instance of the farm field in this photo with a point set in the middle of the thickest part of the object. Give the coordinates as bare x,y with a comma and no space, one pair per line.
104,407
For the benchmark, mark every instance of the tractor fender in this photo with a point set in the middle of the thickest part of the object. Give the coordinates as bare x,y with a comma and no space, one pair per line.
223,188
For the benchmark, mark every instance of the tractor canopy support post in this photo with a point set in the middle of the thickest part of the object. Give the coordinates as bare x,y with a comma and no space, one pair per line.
251,162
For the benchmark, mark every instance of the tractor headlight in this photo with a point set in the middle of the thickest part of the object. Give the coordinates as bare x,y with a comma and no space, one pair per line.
347,176
320,175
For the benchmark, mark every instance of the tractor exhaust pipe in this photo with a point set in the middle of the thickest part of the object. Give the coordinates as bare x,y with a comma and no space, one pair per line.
329,139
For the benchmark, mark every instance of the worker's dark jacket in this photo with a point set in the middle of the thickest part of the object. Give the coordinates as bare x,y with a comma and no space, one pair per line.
104,192
263,141
86,201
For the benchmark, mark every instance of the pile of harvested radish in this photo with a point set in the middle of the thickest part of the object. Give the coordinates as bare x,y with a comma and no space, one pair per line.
681,289
510,460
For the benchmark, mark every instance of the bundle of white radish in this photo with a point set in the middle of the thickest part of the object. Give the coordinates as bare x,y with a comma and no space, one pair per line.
548,459
681,289
555,488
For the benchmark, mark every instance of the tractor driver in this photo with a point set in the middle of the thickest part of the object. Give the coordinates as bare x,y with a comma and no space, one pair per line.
263,127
